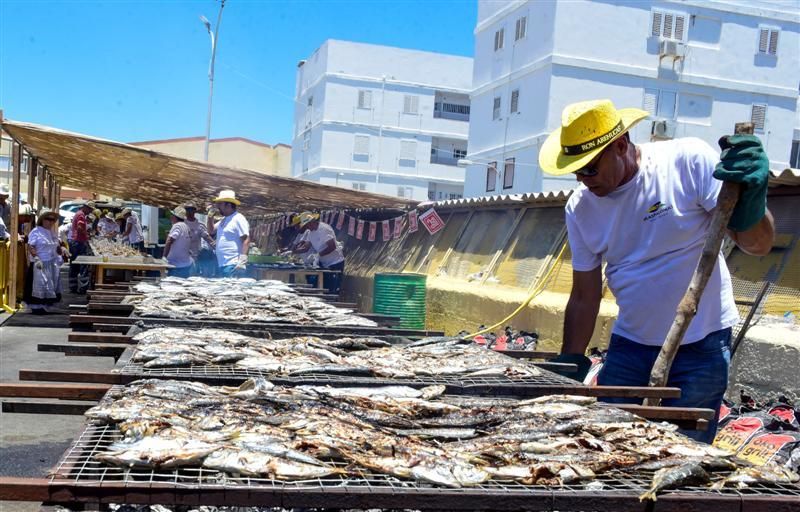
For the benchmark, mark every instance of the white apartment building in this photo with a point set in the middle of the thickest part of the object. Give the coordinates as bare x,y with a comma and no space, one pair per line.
384,120
699,66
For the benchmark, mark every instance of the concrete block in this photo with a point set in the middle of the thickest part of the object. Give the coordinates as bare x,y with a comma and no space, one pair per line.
767,362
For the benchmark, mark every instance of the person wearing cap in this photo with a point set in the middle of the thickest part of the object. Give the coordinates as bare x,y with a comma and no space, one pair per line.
133,230
645,210
45,256
107,226
321,238
232,235
291,235
177,249
79,246
200,243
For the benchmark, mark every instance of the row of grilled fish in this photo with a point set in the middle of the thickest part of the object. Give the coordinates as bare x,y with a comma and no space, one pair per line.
173,347
312,432
238,299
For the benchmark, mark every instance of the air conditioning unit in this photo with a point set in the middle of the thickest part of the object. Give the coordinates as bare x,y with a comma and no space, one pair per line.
669,48
662,129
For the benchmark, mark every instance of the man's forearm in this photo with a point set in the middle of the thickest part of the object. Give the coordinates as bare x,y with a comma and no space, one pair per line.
757,240
246,245
579,319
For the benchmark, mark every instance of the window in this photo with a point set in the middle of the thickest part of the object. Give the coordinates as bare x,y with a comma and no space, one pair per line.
768,40
405,192
410,104
498,39
359,186
306,139
408,150
455,196
458,154
310,101
522,26
794,159
758,116
361,145
491,176
508,173
660,103
514,100
364,99
496,108
668,25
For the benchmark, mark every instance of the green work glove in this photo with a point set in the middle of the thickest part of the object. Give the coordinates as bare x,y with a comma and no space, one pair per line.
744,161
581,361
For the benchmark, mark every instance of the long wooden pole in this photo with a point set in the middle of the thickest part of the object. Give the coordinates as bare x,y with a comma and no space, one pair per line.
33,166
40,179
13,259
687,308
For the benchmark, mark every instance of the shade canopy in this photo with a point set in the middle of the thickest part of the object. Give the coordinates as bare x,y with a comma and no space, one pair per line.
137,174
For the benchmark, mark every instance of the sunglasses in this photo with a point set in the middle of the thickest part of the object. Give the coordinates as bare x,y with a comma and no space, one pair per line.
586,171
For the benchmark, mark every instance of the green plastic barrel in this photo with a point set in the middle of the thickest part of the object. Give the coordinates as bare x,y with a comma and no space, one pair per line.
401,295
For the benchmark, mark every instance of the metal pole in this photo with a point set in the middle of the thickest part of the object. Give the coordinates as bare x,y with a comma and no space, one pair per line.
214,39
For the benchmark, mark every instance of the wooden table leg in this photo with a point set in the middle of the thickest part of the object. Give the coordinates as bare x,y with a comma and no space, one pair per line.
319,279
100,273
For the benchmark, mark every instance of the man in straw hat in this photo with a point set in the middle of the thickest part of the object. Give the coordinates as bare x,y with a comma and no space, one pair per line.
321,238
177,249
645,209
133,233
232,235
200,243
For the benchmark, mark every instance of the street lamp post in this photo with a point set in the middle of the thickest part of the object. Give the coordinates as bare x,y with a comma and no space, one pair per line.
214,38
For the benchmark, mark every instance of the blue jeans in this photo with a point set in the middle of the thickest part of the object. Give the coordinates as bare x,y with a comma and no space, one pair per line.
183,272
229,271
700,370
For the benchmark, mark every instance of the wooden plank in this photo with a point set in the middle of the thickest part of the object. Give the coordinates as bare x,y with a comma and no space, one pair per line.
24,489
70,376
63,391
33,166
489,269
84,350
45,408
105,319
99,337
528,354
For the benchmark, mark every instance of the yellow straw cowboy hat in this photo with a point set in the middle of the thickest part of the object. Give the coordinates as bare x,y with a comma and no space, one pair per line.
307,217
228,196
586,128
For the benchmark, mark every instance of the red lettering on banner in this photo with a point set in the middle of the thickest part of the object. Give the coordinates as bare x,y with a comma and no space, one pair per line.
386,231
412,221
360,229
431,220
351,226
398,227
373,228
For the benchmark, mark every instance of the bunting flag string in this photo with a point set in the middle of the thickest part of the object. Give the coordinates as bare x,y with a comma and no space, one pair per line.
412,221
340,221
351,226
398,227
360,229
386,231
373,227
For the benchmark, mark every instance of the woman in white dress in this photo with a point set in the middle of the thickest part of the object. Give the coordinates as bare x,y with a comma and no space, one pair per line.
45,254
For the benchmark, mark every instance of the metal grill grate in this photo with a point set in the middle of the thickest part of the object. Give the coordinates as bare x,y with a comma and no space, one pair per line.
515,386
80,467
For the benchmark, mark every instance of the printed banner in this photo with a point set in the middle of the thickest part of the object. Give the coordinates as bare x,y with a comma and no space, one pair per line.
340,221
398,227
351,226
412,221
386,230
373,227
360,230
431,220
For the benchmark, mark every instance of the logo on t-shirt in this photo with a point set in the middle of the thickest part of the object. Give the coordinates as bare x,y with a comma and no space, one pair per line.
658,209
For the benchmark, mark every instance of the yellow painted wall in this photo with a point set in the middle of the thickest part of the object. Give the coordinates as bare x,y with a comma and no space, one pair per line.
240,153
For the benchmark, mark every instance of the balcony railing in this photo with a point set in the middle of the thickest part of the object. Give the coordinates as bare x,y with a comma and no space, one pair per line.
451,111
444,157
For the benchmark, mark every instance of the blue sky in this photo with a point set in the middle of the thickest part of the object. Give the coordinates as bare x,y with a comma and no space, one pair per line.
137,70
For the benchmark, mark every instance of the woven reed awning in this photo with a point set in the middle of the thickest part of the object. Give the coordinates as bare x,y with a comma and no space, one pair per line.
136,174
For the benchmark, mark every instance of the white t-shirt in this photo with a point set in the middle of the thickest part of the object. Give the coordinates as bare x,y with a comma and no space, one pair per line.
230,231
135,235
651,232
179,250
108,226
319,239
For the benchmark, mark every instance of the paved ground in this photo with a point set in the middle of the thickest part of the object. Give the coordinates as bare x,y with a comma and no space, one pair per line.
31,444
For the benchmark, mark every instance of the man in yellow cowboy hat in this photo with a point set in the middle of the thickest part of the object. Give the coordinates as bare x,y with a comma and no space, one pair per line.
232,235
320,237
645,210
